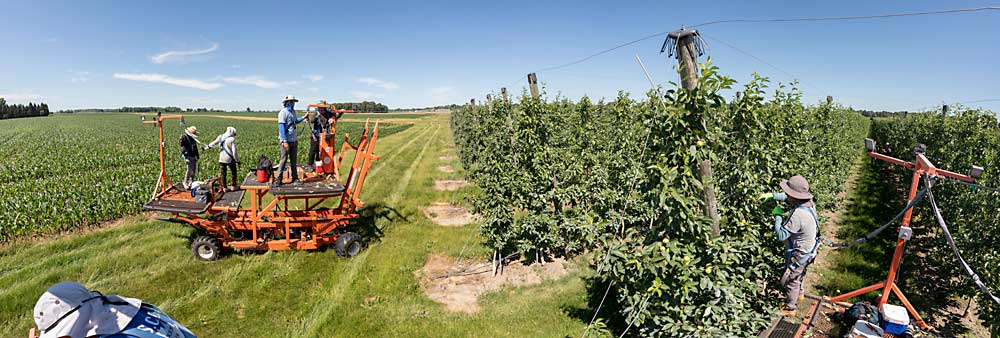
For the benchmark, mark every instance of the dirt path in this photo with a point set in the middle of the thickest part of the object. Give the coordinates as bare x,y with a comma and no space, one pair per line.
830,227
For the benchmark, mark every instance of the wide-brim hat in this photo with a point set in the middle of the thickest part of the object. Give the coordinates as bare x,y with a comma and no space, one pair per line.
290,98
796,187
322,102
68,309
192,130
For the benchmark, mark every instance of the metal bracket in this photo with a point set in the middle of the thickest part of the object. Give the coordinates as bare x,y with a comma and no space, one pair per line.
905,233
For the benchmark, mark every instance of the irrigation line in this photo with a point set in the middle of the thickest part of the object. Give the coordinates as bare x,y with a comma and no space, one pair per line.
954,248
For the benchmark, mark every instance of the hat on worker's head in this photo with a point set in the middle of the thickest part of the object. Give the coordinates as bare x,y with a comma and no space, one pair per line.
796,187
68,309
192,130
289,98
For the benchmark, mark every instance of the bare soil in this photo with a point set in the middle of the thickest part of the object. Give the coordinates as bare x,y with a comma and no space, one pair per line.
458,285
447,157
449,185
446,168
445,214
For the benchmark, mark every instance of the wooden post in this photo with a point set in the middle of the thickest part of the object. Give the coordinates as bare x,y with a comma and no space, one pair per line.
711,205
533,84
503,92
829,99
472,102
687,59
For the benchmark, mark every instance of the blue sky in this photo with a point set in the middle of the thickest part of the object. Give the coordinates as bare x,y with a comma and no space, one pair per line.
73,54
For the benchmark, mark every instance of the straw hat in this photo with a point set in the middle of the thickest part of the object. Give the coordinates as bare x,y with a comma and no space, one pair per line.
290,98
192,130
69,309
797,187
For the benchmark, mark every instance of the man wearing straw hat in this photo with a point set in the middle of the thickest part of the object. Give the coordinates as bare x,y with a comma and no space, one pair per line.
287,121
799,233
320,124
189,150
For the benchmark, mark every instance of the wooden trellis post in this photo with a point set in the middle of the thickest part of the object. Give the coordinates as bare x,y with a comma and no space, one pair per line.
533,84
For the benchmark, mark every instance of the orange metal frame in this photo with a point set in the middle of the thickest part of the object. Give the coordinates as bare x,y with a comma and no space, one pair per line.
921,167
314,226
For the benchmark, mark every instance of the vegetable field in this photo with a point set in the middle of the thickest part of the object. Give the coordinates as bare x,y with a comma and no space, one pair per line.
63,171
621,178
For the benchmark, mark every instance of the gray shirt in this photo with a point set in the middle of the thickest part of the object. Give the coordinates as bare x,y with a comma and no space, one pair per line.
290,120
801,226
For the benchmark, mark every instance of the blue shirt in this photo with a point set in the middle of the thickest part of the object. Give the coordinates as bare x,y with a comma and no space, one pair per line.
286,125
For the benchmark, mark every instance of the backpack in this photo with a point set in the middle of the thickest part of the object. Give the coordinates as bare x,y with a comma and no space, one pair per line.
861,311
264,166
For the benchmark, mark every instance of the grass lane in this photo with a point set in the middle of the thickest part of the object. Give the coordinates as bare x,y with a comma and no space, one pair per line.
301,294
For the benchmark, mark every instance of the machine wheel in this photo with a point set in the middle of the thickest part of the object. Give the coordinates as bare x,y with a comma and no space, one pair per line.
206,248
348,244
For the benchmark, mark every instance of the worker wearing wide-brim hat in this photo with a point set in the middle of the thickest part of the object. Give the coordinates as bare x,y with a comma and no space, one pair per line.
289,138
799,232
189,151
319,124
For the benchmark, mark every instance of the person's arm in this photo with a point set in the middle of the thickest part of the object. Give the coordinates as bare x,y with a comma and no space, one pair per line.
283,132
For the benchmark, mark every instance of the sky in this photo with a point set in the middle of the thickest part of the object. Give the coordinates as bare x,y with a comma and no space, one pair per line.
108,54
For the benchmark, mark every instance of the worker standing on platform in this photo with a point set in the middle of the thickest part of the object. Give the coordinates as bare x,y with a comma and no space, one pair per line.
189,150
799,233
287,121
228,156
321,122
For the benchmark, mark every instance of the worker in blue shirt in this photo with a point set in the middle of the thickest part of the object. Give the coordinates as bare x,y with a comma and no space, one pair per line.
287,121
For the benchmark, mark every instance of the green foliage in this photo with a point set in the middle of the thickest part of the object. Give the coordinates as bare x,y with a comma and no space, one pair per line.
71,170
955,142
10,111
622,176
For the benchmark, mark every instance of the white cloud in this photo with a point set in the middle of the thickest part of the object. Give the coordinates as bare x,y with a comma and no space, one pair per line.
252,81
21,97
312,89
314,78
80,76
387,85
442,95
177,55
363,95
161,78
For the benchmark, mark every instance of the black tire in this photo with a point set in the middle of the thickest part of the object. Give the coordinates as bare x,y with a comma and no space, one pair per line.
348,244
206,248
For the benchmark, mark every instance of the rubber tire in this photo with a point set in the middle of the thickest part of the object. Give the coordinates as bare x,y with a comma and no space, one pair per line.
348,244
206,248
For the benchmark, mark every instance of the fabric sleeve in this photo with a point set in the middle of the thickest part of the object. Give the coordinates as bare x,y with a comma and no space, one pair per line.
282,132
779,231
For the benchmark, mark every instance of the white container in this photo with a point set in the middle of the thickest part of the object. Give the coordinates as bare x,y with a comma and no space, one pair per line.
895,318
895,314
864,329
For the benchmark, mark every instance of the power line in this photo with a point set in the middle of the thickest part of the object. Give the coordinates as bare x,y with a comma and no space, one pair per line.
842,18
835,18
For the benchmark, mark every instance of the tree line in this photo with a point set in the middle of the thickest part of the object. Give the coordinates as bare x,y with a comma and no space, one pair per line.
139,110
363,107
20,110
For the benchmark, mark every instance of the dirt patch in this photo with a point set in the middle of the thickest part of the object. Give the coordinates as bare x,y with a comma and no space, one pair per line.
447,157
448,215
446,168
449,185
458,286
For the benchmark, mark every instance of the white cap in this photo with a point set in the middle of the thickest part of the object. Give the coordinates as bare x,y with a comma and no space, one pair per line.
68,309
289,98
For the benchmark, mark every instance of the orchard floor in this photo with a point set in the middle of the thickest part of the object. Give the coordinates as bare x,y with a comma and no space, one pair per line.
303,294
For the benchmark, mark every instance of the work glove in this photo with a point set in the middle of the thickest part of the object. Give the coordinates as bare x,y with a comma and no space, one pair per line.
205,147
777,211
765,196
